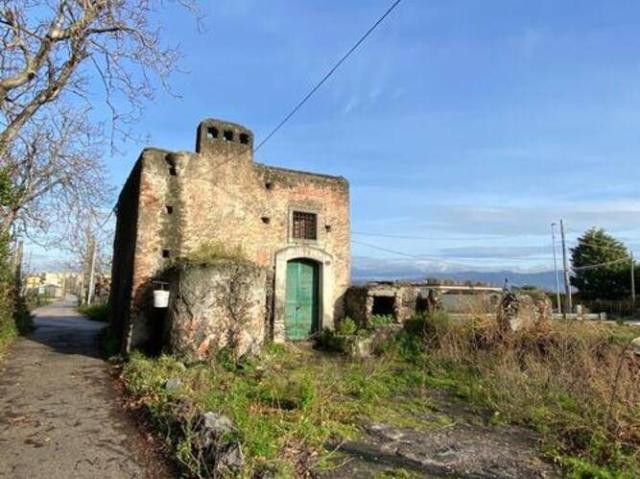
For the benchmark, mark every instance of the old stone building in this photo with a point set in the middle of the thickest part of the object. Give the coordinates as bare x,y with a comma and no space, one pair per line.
293,224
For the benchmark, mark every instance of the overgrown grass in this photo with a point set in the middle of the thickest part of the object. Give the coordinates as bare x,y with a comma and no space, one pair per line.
288,404
95,312
575,383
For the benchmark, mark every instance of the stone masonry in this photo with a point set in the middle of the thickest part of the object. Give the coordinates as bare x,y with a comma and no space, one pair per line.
173,202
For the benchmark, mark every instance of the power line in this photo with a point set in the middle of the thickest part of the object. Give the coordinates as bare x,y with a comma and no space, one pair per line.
435,238
434,257
392,251
598,265
328,75
308,95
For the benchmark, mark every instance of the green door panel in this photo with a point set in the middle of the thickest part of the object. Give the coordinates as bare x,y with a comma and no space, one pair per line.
301,310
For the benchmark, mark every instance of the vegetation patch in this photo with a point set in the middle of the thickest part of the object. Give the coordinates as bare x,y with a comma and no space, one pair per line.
211,251
287,404
576,384
95,312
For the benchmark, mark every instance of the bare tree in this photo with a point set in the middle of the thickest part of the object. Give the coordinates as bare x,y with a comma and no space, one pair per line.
51,46
58,177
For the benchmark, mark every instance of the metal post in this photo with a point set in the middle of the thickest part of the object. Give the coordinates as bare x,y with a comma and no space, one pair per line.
633,284
555,267
92,271
567,285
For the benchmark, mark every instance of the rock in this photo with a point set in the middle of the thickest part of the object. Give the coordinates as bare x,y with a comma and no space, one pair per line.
231,455
210,441
217,424
635,346
368,346
172,384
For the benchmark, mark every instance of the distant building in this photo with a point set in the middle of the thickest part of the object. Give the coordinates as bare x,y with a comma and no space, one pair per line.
293,224
51,284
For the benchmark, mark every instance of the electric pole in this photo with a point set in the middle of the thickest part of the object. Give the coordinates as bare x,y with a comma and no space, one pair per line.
633,285
555,267
567,285
92,271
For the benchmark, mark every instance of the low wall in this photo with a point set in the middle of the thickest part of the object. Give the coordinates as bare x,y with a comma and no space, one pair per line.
214,306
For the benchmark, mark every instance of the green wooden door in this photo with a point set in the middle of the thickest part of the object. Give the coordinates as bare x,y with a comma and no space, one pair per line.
301,314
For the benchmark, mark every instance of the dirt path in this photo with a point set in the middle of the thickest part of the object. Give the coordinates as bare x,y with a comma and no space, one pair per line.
59,411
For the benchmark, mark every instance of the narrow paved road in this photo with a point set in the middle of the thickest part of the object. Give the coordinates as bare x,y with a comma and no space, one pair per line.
59,411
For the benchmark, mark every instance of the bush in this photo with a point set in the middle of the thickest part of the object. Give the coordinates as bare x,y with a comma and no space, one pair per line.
14,314
95,312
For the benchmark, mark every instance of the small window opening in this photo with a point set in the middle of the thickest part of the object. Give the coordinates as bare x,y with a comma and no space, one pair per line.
169,209
305,225
266,220
327,228
172,166
268,185
244,138
383,306
166,253
228,135
212,132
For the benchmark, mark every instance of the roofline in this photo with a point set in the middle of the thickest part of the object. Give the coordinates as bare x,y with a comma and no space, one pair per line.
302,172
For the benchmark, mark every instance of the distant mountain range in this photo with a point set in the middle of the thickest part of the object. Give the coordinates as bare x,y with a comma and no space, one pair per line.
363,271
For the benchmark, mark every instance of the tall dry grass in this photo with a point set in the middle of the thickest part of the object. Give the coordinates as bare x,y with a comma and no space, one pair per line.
577,383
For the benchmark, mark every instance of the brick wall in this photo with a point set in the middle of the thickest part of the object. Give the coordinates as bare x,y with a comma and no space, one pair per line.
220,194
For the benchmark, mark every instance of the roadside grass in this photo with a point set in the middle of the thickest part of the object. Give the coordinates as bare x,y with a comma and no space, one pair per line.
574,383
8,332
95,312
14,320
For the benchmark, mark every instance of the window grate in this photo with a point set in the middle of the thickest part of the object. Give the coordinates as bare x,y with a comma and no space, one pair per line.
304,225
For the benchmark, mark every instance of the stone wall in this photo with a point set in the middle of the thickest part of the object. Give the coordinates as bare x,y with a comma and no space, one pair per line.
214,306
405,300
124,254
219,194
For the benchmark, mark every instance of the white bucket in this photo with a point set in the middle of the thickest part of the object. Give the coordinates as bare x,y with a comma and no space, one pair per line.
160,298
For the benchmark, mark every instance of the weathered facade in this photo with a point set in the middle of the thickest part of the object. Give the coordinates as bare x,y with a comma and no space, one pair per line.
294,224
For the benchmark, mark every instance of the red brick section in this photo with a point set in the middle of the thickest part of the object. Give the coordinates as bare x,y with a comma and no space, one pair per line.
221,195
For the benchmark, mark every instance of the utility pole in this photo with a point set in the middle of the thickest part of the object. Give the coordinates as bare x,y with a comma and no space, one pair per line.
17,265
633,284
555,267
567,285
92,271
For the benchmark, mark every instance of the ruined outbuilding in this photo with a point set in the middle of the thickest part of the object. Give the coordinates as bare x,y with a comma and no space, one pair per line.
291,226
403,300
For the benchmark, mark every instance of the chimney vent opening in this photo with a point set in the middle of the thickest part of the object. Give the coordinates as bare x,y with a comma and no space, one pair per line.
228,135
212,132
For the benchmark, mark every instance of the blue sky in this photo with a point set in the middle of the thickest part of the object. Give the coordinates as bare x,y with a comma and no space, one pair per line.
476,123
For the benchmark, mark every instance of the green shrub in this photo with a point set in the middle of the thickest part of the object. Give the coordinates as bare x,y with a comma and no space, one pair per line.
347,327
378,320
95,312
